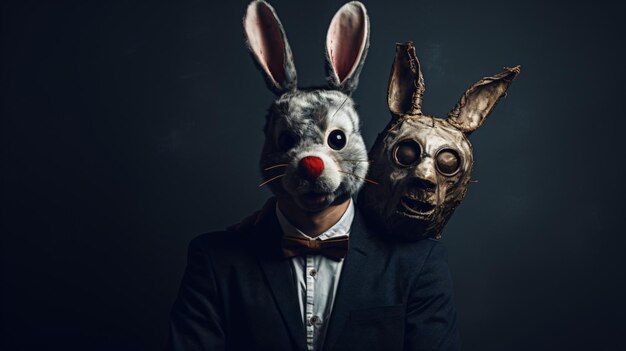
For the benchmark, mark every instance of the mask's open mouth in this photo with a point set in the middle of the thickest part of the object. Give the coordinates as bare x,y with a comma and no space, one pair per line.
415,208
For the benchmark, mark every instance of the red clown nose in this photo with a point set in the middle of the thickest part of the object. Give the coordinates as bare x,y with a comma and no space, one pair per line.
311,167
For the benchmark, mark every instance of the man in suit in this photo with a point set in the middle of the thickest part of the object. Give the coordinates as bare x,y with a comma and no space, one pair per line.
239,293
306,273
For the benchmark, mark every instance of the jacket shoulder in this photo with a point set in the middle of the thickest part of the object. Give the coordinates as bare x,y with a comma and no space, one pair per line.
422,245
217,241
422,252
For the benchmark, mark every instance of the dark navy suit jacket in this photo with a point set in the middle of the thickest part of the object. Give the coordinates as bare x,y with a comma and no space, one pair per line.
238,293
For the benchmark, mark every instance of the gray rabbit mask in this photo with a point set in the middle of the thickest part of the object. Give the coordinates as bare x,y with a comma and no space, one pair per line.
423,163
313,152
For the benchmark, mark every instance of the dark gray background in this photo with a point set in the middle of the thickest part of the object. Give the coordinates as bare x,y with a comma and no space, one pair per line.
130,127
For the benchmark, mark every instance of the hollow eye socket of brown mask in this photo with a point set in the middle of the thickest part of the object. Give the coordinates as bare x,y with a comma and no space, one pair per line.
448,162
407,153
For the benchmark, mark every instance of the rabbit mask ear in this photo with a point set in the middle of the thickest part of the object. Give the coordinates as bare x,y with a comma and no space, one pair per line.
347,42
406,83
269,46
478,101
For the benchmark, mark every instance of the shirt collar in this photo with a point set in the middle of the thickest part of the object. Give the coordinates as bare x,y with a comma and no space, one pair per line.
341,228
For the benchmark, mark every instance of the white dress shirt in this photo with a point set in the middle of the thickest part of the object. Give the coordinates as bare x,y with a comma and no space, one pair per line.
317,277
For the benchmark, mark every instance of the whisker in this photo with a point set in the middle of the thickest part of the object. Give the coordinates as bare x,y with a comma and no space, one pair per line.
356,176
370,161
340,106
271,179
276,166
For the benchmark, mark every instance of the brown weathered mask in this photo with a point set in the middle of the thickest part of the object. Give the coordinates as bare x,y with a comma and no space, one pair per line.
423,163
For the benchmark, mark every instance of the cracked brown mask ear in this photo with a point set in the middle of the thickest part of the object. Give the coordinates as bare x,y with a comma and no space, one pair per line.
406,83
269,46
475,105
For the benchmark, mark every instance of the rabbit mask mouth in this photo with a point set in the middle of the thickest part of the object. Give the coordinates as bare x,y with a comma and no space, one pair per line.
314,201
318,191
314,198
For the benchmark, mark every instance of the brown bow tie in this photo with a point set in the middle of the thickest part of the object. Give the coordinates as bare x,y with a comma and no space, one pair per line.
335,249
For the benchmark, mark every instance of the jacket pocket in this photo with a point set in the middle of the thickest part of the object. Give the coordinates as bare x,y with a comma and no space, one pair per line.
377,328
373,313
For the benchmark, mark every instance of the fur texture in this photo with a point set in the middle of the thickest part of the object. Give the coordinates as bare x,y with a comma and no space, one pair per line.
311,123
311,116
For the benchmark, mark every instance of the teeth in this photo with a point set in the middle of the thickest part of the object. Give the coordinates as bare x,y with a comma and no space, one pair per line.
421,197
417,206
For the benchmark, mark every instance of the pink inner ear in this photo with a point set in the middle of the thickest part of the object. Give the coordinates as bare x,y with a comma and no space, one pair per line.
266,40
346,39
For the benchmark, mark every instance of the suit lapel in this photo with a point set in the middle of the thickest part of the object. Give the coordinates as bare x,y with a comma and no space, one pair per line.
350,283
278,273
279,278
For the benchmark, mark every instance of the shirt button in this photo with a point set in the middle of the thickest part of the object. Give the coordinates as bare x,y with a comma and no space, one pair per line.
314,320
313,273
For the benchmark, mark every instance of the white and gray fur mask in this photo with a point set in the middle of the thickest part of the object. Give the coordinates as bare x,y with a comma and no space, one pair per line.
423,163
313,151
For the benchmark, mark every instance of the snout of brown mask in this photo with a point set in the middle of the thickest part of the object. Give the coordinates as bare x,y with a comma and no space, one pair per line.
422,163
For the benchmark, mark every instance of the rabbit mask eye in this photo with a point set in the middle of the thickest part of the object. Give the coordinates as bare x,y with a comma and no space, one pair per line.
287,140
448,162
407,153
337,139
